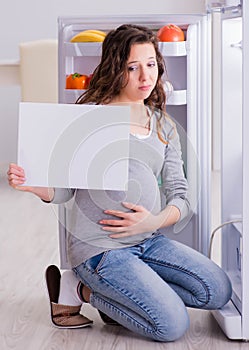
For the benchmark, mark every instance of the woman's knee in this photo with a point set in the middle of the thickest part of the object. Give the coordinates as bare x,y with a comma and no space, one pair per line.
217,288
210,286
173,326
220,290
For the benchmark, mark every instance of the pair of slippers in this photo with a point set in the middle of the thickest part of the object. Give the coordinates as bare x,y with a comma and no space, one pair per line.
66,316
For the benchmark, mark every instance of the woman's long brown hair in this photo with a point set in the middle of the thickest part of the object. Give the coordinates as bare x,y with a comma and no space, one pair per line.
110,76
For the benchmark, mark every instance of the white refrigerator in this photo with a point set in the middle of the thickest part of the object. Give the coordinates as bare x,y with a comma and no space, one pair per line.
200,101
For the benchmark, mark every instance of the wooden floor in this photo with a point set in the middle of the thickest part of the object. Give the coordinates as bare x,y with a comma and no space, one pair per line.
29,242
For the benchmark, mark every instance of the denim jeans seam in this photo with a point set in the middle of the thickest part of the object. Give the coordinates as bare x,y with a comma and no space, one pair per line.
117,290
102,260
80,277
146,329
188,273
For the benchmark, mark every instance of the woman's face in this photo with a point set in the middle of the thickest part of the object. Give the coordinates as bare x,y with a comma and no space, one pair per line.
142,73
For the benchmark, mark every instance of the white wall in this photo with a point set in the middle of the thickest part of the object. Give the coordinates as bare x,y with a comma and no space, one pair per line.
28,20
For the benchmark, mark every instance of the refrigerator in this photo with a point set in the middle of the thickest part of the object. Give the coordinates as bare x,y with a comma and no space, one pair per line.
200,101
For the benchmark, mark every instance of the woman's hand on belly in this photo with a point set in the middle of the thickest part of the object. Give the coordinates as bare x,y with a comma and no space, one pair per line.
140,220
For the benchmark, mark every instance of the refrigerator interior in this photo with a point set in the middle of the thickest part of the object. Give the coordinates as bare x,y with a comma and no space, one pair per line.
188,69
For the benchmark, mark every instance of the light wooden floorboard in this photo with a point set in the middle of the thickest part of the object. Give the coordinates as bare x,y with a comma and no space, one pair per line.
29,242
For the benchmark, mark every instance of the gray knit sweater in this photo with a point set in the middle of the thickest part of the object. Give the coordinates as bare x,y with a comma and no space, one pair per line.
151,163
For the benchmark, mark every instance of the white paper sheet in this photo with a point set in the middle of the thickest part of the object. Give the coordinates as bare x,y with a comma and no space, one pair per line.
74,146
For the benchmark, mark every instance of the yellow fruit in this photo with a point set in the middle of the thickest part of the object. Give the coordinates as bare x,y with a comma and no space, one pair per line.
89,36
95,31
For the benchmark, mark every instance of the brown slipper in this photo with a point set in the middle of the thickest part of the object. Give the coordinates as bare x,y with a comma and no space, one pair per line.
62,316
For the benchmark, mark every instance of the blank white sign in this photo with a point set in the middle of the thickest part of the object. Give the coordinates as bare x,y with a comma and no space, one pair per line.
74,146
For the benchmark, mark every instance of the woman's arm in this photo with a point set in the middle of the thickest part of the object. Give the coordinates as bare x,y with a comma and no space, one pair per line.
138,221
174,185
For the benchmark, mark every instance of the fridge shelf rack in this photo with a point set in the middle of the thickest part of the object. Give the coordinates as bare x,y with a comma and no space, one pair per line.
94,49
83,49
177,48
175,98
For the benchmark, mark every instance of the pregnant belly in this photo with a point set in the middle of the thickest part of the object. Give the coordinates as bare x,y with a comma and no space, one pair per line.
92,203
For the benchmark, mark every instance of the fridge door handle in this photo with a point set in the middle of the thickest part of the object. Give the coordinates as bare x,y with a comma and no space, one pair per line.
237,45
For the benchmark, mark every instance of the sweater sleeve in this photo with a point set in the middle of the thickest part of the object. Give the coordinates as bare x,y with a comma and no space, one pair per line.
62,195
174,184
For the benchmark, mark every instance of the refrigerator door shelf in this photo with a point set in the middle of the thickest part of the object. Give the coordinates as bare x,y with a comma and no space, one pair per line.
175,98
223,5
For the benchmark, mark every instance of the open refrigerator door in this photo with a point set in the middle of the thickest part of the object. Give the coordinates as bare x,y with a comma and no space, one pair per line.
230,111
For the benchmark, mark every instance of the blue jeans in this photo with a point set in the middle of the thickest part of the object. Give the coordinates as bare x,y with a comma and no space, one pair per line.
147,287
